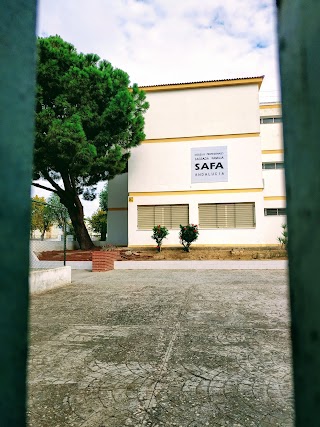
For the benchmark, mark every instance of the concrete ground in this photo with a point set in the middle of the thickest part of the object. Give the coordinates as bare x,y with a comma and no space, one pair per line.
162,348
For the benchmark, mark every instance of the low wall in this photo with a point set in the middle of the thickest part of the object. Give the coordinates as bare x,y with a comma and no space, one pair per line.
104,260
75,265
202,265
57,245
44,280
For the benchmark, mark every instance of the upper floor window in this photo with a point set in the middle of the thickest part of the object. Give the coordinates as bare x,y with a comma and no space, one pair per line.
275,211
269,120
272,165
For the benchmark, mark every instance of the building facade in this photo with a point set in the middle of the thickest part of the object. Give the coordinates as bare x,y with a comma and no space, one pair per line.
212,156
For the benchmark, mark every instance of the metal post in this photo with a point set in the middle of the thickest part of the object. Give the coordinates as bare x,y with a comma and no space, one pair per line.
64,241
299,41
17,90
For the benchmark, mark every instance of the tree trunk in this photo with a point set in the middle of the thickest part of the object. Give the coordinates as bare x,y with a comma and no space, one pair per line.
80,230
42,234
103,233
70,199
75,209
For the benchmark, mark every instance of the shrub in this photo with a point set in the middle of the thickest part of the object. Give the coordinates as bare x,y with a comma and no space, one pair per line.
159,233
283,239
188,234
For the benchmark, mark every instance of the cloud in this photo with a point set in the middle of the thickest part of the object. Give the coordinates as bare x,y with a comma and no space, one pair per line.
160,41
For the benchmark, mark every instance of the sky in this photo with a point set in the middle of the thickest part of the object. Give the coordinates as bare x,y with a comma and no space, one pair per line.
166,41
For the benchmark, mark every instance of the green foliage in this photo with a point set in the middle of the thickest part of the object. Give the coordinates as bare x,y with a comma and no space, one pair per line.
59,211
37,207
103,198
98,222
45,213
87,120
42,217
187,235
283,239
159,233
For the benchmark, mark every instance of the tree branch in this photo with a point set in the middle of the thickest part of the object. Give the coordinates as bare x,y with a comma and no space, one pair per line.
52,182
66,182
35,184
73,182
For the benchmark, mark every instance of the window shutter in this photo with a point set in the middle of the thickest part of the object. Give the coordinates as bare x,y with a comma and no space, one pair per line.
162,215
170,216
208,216
245,215
227,215
145,217
179,215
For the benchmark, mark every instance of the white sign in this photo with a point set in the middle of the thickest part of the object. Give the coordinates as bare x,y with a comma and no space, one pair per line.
209,164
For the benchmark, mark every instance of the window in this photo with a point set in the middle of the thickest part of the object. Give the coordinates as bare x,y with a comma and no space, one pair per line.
227,215
274,211
272,165
170,216
270,120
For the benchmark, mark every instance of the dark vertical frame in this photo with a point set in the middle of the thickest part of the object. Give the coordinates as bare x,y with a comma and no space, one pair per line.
17,94
299,41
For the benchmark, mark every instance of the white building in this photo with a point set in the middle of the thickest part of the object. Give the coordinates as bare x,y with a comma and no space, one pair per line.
212,156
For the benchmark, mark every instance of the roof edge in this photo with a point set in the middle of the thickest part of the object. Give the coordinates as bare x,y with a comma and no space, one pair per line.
204,84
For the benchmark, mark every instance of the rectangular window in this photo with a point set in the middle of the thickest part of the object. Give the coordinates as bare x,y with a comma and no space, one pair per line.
275,211
266,120
272,165
170,216
282,211
268,165
227,215
270,120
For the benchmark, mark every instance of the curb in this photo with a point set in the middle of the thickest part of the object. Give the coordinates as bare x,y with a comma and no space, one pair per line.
201,265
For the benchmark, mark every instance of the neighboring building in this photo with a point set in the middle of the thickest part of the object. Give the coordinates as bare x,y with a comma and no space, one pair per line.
54,233
212,156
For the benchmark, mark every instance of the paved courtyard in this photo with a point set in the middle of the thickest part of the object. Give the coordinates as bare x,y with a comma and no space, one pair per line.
162,348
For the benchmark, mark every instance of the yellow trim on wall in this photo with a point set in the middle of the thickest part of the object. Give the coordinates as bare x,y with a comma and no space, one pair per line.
269,106
275,198
187,192
117,209
179,86
281,151
204,137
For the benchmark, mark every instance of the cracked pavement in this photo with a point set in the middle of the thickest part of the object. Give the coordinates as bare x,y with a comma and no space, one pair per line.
162,348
